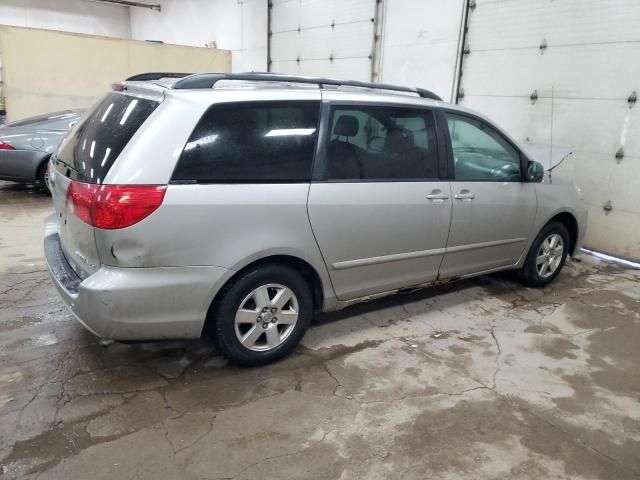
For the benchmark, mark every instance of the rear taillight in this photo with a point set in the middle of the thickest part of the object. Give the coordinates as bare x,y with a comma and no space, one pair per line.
6,146
119,206
80,200
113,206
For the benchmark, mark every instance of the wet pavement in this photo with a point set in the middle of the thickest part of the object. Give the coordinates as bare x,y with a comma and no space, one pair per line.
481,379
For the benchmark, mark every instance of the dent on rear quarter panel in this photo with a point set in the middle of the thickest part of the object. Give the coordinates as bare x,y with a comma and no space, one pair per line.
129,251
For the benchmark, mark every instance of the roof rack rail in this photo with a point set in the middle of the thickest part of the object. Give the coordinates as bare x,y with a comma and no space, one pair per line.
208,80
150,76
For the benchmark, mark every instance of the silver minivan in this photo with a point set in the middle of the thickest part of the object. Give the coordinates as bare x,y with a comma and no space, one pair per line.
238,205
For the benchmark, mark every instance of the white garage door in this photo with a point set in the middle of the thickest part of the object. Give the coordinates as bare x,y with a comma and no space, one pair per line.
332,38
420,43
582,60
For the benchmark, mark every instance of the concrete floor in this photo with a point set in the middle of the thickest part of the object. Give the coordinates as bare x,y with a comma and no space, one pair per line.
482,379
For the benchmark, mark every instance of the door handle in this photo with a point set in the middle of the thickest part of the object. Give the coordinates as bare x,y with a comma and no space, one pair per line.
464,195
437,195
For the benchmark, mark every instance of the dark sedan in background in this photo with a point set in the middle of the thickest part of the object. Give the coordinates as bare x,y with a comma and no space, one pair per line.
26,145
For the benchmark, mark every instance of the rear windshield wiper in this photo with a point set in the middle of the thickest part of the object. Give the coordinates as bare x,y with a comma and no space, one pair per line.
69,166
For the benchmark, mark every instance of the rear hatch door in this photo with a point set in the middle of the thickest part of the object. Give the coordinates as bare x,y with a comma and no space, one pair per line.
84,158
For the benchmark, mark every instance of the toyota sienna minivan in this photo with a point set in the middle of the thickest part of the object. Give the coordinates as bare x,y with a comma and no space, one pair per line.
238,205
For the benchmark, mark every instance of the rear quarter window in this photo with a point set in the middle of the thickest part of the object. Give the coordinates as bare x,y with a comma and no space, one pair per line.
88,154
251,143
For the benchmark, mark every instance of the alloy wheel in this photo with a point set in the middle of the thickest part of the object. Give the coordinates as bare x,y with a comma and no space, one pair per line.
550,255
266,317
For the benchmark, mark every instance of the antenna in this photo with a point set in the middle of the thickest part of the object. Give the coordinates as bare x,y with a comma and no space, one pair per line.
558,164
551,144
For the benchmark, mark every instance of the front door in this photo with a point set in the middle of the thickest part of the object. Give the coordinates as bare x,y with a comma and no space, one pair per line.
493,209
379,211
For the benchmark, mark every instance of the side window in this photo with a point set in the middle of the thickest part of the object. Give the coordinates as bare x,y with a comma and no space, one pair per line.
481,153
381,143
251,142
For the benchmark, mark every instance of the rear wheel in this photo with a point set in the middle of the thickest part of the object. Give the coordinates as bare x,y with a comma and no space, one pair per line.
546,256
262,315
43,177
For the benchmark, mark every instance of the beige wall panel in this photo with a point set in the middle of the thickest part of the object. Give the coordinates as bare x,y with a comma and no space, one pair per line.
44,71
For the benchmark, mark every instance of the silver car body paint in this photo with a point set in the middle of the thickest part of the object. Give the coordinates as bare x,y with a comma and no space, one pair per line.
157,278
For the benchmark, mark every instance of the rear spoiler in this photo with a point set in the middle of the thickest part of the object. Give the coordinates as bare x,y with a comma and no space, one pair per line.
149,90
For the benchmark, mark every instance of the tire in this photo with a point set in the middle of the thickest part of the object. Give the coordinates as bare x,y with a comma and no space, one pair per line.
533,273
43,176
243,302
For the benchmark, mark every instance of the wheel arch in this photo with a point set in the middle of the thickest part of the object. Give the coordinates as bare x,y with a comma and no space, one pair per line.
303,267
571,224
42,163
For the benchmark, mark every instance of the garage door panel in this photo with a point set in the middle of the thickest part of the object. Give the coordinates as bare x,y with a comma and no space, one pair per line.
518,24
599,126
579,169
352,69
618,232
321,43
422,22
530,125
619,184
584,71
289,15
435,70
322,37
420,44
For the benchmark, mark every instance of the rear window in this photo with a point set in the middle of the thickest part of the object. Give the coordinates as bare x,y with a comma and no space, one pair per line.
87,155
250,143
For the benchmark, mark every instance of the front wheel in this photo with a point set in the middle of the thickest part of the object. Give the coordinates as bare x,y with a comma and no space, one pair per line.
262,315
546,256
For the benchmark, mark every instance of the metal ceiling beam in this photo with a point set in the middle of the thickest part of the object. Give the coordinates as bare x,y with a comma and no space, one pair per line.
126,3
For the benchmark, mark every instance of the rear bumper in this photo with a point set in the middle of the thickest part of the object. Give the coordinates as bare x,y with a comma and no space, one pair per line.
136,303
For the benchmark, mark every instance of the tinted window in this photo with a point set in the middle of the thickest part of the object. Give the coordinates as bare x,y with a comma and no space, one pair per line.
382,143
252,142
480,153
95,144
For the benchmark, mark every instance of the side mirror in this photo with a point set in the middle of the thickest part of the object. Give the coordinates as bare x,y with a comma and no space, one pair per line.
535,172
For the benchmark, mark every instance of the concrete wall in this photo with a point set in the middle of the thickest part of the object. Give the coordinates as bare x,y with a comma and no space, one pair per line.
79,16
45,71
238,26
